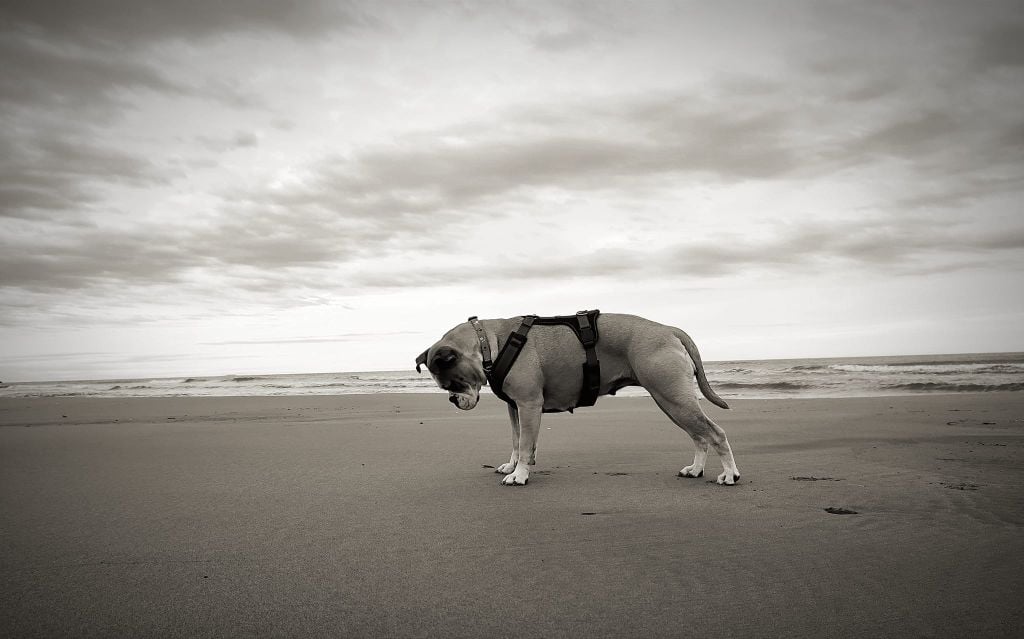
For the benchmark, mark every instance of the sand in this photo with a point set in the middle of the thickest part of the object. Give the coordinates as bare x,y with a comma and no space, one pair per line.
377,516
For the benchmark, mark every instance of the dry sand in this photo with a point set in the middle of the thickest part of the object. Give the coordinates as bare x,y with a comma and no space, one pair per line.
367,516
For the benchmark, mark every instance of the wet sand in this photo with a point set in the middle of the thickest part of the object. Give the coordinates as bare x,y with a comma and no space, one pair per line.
374,516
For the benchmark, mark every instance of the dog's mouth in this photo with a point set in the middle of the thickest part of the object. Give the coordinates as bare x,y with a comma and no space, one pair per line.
464,401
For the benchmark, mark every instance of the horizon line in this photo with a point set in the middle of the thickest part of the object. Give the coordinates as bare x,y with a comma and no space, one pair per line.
412,368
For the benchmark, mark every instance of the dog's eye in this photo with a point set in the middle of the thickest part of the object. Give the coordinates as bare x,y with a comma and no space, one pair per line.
455,386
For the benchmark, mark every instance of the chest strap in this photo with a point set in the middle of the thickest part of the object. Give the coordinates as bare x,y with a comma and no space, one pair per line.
583,324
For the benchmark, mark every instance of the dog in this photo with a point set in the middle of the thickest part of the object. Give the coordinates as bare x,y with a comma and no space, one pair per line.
547,377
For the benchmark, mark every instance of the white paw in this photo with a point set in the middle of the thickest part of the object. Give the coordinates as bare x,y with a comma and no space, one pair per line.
517,478
728,479
692,471
505,469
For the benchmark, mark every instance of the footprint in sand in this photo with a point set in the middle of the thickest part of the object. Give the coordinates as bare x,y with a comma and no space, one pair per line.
961,486
840,511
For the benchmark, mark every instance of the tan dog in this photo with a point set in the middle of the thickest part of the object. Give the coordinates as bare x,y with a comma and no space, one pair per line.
547,377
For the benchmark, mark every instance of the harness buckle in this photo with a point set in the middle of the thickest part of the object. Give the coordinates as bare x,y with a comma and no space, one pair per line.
586,329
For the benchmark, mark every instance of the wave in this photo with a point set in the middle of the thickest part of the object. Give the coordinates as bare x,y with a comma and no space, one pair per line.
389,378
928,369
244,379
955,388
782,386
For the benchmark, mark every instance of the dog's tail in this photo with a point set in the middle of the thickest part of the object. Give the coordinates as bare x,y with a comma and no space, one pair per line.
702,381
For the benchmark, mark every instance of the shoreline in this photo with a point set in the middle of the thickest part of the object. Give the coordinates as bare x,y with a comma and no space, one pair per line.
376,515
744,379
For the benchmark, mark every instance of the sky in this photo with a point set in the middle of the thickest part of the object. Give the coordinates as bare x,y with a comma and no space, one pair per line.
254,186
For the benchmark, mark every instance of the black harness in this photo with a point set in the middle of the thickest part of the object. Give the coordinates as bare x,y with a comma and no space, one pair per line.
583,324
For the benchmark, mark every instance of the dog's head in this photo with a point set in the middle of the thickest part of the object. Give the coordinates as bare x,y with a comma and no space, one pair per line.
456,365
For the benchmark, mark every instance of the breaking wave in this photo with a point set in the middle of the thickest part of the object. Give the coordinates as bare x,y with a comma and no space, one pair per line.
774,386
939,387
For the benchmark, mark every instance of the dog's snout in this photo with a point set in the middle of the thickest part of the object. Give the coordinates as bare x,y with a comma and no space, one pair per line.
453,399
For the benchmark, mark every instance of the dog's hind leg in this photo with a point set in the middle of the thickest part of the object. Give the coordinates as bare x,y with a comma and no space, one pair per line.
687,414
669,380
513,416
700,457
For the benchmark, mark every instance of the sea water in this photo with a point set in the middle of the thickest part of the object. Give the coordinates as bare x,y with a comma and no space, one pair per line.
753,379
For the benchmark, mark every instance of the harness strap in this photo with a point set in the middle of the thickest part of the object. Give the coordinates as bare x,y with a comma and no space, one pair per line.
592,367
508,355
583,324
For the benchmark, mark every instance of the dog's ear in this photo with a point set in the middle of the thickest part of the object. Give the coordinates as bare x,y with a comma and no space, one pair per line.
421,360
444,358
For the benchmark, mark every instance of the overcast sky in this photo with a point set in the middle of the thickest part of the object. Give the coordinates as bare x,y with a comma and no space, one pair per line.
254,186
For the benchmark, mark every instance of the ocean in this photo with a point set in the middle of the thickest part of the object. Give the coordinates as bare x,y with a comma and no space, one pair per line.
751,379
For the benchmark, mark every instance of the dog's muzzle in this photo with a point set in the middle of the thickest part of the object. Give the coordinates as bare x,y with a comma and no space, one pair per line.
464,401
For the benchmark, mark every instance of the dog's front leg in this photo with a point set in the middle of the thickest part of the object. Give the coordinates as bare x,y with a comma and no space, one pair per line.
513,416
529,429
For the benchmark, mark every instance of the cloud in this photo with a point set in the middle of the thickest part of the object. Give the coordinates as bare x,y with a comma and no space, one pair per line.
355,212
999,47
557,41
62,169
43,74
911,245
387,199
237,140
344,337
115,23
571,147
72,71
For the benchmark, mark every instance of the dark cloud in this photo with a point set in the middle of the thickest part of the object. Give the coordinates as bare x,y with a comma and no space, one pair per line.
632,144
619,146
908,246
1001,46
117,23
72,69
237,140
918,135
40,74
63,170
76,259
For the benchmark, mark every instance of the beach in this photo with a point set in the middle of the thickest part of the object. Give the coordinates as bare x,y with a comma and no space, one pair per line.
381,516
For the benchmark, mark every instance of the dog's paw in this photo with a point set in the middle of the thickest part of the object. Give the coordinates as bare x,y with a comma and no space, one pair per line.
728,479
517,478
505,469
691,471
